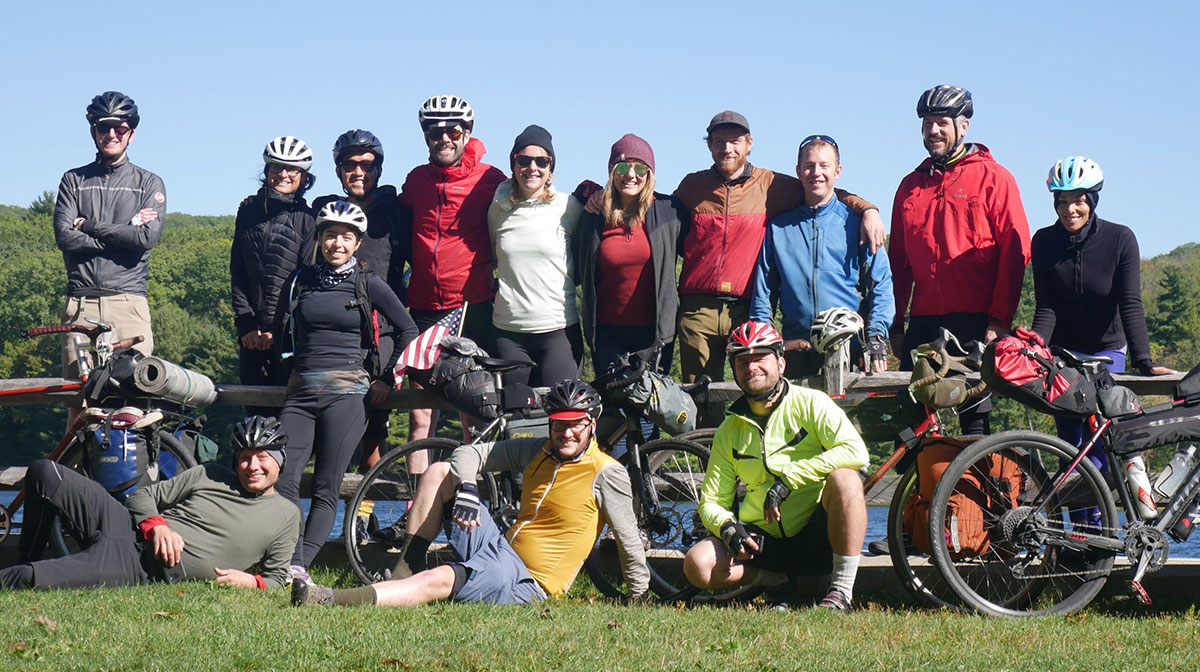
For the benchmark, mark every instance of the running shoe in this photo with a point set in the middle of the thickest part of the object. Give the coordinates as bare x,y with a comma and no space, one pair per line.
311,595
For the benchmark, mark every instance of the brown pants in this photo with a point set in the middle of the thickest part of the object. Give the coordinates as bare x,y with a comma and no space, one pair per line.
704,325
129,315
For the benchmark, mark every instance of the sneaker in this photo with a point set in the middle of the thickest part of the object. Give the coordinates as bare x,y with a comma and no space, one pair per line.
881,546
366,528
393,535
835,601
299,574
311,595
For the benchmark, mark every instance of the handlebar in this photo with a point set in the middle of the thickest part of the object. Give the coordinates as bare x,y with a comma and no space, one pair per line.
92,332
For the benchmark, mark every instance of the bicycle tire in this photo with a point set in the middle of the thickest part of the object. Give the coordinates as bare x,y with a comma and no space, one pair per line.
390,488
74,458
919,577
703,436
669,523
1022,571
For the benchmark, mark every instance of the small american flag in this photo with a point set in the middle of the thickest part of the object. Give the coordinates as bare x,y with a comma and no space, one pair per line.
425,348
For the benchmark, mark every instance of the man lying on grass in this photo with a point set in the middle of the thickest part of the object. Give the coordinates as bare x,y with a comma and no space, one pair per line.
570,487
206,523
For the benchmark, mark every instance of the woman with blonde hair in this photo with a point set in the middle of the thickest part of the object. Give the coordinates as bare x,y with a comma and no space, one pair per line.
625,261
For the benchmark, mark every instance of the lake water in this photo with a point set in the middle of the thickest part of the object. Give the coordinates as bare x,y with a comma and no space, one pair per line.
876,526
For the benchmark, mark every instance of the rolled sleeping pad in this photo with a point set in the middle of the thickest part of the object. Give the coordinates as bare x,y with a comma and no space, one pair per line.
173,382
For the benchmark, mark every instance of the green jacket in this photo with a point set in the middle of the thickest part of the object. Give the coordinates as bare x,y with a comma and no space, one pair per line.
807,436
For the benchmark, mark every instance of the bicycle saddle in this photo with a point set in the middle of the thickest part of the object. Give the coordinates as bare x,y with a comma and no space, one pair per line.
495,365
1073,358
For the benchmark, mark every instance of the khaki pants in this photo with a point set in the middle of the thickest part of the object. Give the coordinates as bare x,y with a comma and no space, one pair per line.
704,325
129,315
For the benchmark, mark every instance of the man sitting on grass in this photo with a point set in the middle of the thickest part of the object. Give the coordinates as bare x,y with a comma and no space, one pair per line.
570,488
206,523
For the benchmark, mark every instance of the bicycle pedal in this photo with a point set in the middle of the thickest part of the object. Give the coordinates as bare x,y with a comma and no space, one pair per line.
1140,593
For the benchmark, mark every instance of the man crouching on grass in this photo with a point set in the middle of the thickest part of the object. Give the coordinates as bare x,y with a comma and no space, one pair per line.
798,455
570,488
206,523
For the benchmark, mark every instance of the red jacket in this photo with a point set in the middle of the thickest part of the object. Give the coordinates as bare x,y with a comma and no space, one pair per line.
959,241
451,249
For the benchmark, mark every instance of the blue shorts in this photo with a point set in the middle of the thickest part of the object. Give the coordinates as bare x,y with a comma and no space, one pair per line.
495,573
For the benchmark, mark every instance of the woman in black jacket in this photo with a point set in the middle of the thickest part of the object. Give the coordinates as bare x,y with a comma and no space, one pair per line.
625,261
1087,283
328,329
272,238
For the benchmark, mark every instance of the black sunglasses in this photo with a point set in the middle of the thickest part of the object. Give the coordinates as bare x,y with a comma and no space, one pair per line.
524,161
434,134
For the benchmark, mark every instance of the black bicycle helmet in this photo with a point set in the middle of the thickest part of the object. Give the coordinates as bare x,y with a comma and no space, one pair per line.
257,432
945,100
113,106
360,140
572,400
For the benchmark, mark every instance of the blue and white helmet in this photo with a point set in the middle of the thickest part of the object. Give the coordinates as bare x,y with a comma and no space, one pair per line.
1075,172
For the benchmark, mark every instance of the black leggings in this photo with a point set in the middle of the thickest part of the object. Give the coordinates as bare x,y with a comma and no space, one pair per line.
557,355
101,524
331,426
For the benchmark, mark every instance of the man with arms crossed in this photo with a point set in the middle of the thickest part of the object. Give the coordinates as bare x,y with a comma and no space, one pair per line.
797,454
570,489
108,216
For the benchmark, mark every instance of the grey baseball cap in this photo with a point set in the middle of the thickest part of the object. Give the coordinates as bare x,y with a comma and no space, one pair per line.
728,117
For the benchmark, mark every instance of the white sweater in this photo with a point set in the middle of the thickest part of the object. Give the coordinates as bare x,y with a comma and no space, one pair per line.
531,244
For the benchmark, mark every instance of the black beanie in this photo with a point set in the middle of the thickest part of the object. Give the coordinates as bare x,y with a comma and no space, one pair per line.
532,135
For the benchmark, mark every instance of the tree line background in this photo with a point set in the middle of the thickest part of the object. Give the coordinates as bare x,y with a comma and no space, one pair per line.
193,320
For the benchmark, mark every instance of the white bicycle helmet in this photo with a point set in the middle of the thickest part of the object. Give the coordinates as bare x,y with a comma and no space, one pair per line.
288,151
446,110
1075,172
833,327
343,212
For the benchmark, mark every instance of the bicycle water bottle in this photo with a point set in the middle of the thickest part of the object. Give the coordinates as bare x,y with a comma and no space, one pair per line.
1182,529
1139,485
1177,469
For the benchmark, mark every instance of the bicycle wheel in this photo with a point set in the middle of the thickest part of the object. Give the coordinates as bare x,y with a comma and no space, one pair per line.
704,437
383,496
916,572
1003,541
74,457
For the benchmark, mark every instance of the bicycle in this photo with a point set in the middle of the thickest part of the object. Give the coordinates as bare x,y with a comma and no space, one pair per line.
665,474
160,426
1052,526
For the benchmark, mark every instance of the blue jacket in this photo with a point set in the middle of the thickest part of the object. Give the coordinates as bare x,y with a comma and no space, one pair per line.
809,260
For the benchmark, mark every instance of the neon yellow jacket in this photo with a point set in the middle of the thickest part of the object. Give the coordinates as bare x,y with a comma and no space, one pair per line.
807,436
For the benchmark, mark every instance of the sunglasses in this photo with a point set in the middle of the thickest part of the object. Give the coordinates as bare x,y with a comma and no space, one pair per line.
366,166
639,169
105,129
524,161
434,134
813,138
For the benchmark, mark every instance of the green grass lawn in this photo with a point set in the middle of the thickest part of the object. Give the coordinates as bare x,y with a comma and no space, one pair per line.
198,626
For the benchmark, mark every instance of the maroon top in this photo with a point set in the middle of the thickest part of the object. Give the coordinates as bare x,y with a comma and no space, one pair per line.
624,278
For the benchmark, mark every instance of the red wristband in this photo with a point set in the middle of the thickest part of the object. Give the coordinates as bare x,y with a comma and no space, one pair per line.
260,584
149,524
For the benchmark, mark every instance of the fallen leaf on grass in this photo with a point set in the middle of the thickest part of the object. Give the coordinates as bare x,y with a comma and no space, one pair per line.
46,623
546,613
17,648
393,662
166,614
612,625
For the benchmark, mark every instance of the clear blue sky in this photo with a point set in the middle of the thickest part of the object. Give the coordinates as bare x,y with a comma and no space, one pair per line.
216,80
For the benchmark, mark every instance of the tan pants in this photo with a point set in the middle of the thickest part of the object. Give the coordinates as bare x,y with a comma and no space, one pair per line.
129,315
704,325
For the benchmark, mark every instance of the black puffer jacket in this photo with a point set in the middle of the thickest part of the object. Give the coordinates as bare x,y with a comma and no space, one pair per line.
272,237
